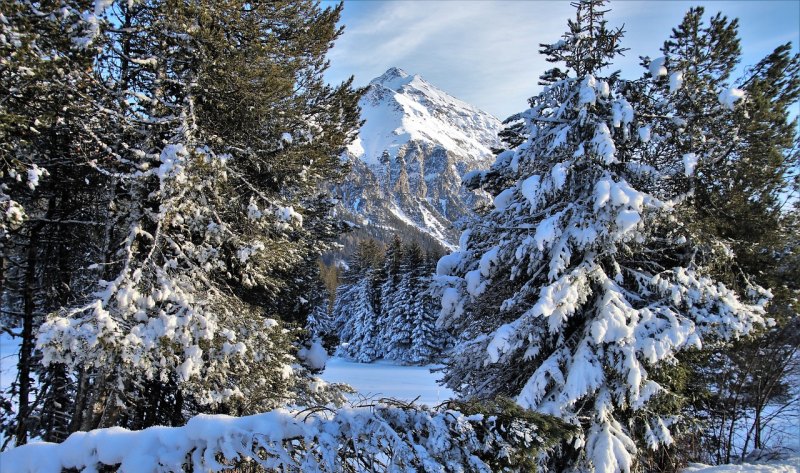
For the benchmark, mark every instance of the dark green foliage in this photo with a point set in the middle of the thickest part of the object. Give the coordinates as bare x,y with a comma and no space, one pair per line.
45,154
587,47
520,435
740,198
170,137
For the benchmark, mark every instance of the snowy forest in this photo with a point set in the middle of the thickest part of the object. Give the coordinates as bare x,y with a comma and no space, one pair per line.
176,266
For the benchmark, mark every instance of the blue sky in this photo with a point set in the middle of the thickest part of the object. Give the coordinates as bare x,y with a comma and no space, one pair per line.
486,52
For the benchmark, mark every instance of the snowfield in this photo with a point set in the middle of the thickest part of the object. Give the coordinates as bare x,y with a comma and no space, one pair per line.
399,108
214,442
415,145
790,465
384,379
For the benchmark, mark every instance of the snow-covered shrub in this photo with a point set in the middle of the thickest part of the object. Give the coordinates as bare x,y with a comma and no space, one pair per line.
386,437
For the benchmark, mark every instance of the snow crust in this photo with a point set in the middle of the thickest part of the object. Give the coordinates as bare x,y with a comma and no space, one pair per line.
501,342
288,217
475,286
586,93
644,134
502,199
621,112
689,163
530,188
172,160
447,263
657,68
315,356
34,174
604,144
675,81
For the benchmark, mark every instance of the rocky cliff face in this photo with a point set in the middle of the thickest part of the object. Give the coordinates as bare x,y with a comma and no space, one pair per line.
411,153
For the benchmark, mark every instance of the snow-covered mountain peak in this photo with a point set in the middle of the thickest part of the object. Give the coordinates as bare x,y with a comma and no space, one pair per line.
394,78
400,108
411,153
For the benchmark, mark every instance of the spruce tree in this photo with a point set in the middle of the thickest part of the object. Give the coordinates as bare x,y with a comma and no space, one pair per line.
427,342
385,308
579,283
400,313
392,295
356,309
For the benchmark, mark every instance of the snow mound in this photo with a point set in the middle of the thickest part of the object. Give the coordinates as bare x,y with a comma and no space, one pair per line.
300,441
315,355
729,97
657,68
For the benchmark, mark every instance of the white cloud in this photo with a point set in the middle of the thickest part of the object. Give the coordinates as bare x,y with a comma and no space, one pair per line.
486,52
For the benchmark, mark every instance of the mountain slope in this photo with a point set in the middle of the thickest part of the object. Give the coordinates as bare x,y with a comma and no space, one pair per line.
411,153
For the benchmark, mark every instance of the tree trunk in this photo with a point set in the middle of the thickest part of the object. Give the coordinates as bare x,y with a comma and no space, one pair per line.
177,411
80,402
26,348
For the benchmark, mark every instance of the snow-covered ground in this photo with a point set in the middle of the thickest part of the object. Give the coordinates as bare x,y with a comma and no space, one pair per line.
208,437
384,379
9,357
791,465
399,108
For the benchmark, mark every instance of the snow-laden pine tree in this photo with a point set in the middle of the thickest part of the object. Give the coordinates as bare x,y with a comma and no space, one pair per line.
359,331
217,129
393,296
385,308
397,314
357,309
580,284
426,341
408,312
